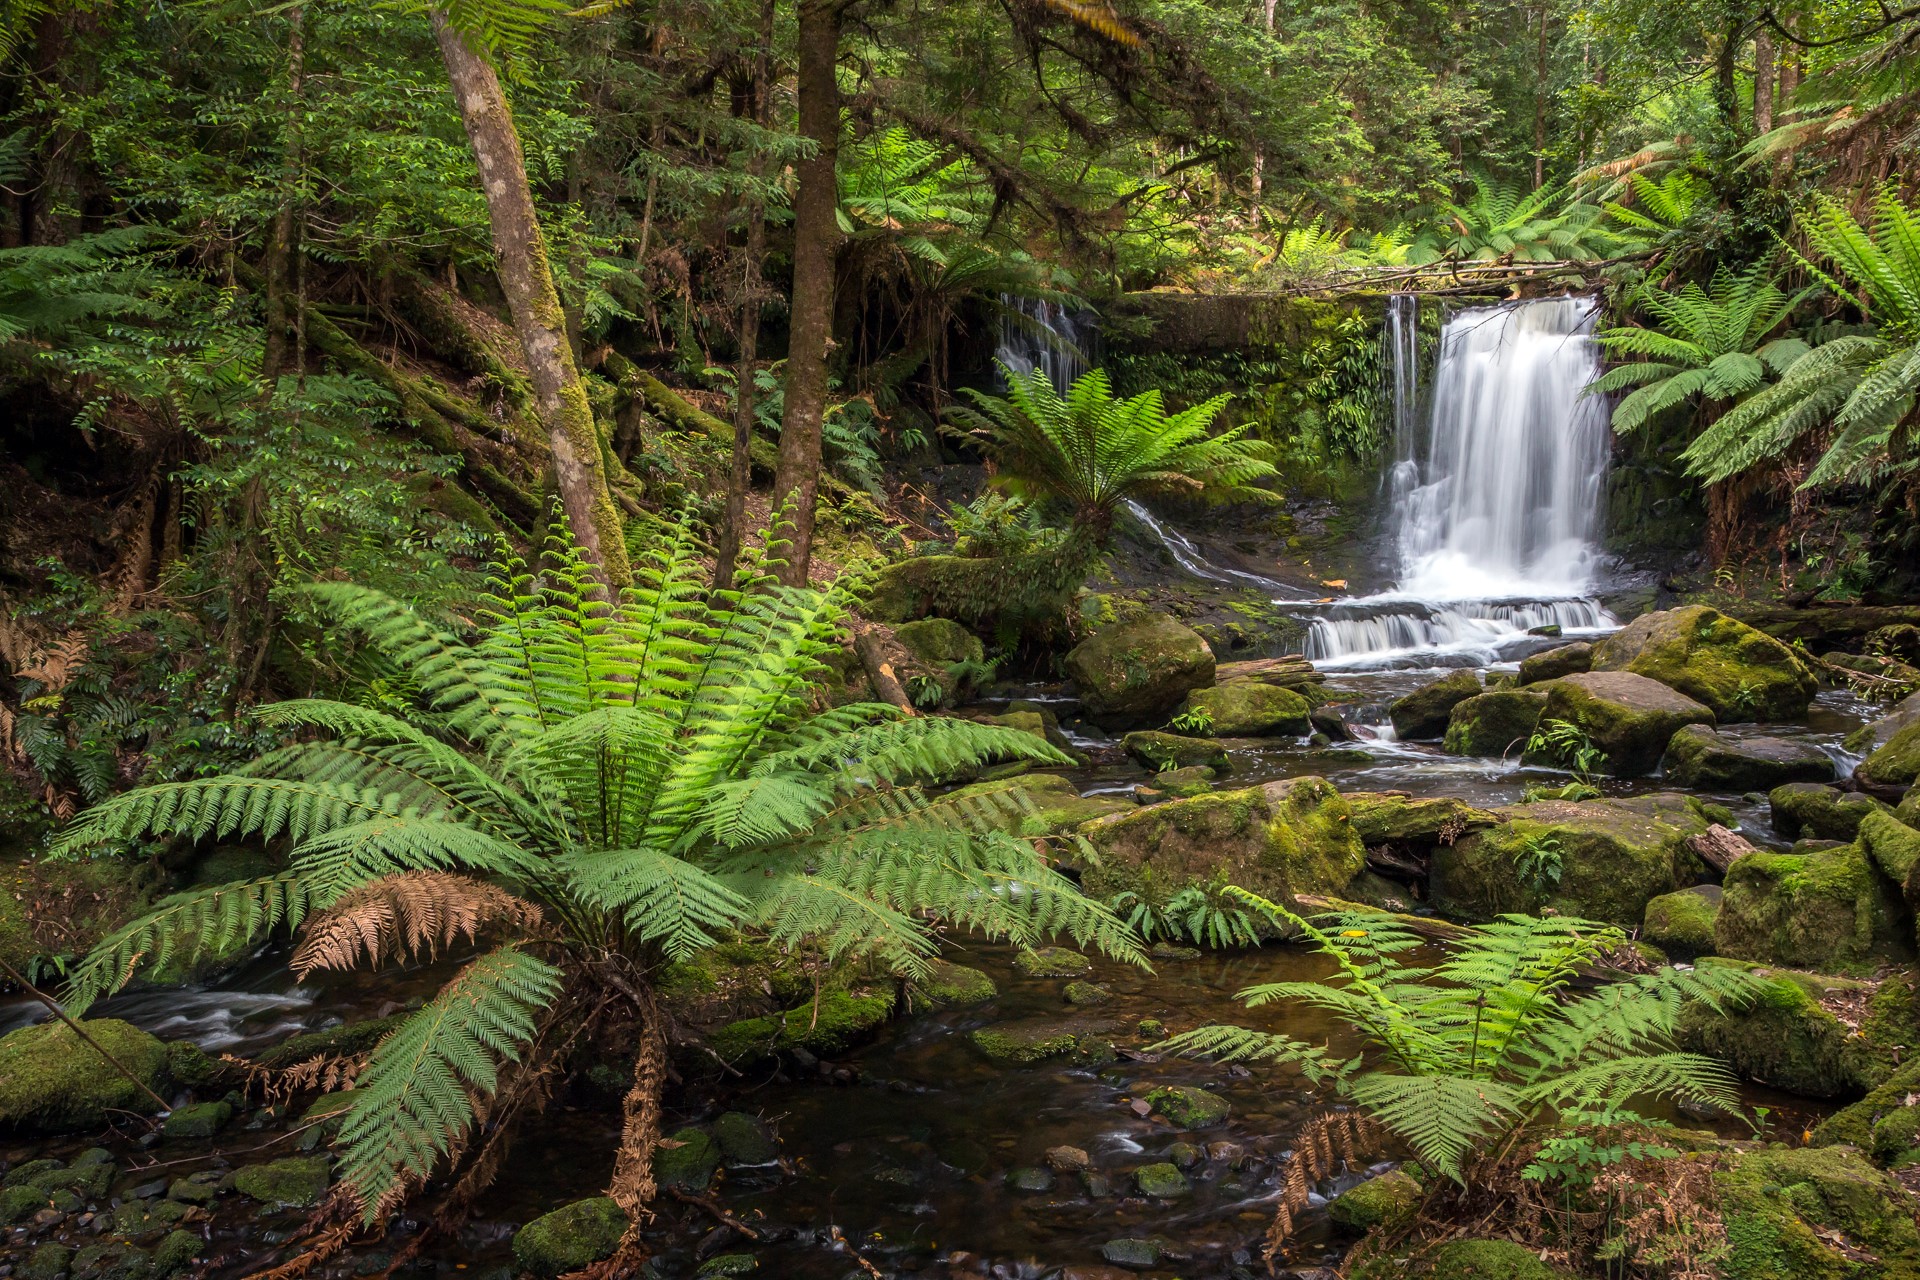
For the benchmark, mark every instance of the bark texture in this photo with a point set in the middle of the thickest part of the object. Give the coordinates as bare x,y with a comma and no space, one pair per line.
526,277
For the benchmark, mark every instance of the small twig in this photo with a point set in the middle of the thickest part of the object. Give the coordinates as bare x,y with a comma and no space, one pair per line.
712,1207
76,1028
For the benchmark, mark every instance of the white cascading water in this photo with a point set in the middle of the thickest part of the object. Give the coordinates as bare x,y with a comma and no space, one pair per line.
1495,495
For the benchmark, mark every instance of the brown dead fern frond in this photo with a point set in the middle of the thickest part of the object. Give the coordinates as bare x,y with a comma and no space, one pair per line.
415,913
1327,1144
53,665
324,1073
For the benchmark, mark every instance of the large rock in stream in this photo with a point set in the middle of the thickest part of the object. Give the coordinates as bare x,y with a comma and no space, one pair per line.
1629,717
1285,838
1721,662
51,1081
1831,910
1248,709
1702,758
1494,724
1424,712
1135,673
1600,860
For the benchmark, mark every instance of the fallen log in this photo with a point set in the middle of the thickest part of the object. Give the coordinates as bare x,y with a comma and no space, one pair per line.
1719,847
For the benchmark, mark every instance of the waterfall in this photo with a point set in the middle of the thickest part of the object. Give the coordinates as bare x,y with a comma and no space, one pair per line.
1495,492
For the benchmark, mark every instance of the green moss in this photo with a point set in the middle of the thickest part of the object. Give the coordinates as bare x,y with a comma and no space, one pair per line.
1488,1260
570,1237
1087,993
1567,660
1138,672
1161,1181
686,1160
1739,672
1384,817
1897,764
1187,1107
744,1140
1627,716
1808,810
1681,923
197,1120
1246,709
295,1182
1157,750
1424,713
1386,1202
1790,1213
1829,911
1704,759
1042,803
1893,846
53,1082
1194,780
1022,1044
838,1022
62,908
1788,1040
938,642
175,1252
1310,837
1052,962
48,1261
954,986
1494,724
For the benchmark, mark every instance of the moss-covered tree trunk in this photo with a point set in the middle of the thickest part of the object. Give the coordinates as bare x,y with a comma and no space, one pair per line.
816,251
526,277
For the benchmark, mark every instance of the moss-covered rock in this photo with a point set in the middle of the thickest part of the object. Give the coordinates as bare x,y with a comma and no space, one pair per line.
1136,673
1494,724
1384,1202
1052,962
1025,1043
836,1023
1038,804
1484,1260
1885,1123
1739,672
296,1182
1161,1181
1894,766
197,1120
955,986
1681,923
1176,784
570,1237
937,642
1248,709
51,1081
1187,1107
1830,911
1790,1039
1706,759
1393,817
1893,847
1629,717
1810,1213
686,1160
1567,660
175,1253
1803,810
1087,993
744,1140
1614,857
1288,837
48,1261
1424,712
1158,750
1876,733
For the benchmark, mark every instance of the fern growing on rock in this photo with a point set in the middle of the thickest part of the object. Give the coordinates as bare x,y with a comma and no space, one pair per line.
596,789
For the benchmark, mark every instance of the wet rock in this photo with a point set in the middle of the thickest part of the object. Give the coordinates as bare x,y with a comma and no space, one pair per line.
1391,817
1162,1181
1177,784
570,1237
47,1262
1629,717
1376,890
1173,951
17,1204
744,1140
1327,722
1895,765
1095,1273
1894,848
1288,837
176,1252
1488,1260
839,1020
1494,724
197,1120
196,1188
1151,1029
1681,923
1825,813
1185,1155
51,1081
1052,962
954,986
1097,1185
1424,712
1387,1201
1737,671
1132,1251
1830,911
114,1261
1885,1123
936,642
1022,1044
687,1160
1245,709
1612,856
344,1041
295,1182
1031,1179
1810,1212
1157,750
1875,734
1187,1107
1135,673
1068,1159
1567,660
1087,993
1791,1040
1705,759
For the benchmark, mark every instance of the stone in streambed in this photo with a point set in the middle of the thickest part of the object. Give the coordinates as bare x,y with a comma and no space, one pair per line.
744,1140
197,1120
1087,993
47,1262
1245,709
1789,1039
1187,1107
686,1160
1386,1201
1136,673
1389,817
1052,962
1705,759
570,1237
51,1081
111,1261
1813,1213
1031,1179
1873,735
1162,1181
1424,712
1896,764
1681,923
1831,911
1132,1252
955,986
296,1182
1627,716
1567,660
176,1251
1176,784
1808,810
1735,670
1026,1043
1157,750
1494,724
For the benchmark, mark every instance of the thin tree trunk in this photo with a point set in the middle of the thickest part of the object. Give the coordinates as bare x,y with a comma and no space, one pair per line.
281,242
816,249
526,277
1540,106
1763,80
1260,154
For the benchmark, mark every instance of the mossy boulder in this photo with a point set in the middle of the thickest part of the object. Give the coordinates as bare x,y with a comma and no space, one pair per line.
1792,1040
1285,838
1494,724
1703,758
744,1140
1876,733
1136,673
1808,810
1629,717
1052,962
1485,1260
197,1120
1393,817
1248,709
1424,712
1830,911
1894,766
1567,660
955,986
1176,784
1739,672
51,1081
1811,1214
1038,804
939,642
1029,1042
839,1020
570,1237
1384,1202
1161,1181
1893,847
686,1160
1187,1107
1681,923
1885,1123
1156,749
296,1182
1614,857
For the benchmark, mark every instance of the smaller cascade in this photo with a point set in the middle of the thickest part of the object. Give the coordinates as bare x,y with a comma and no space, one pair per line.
1189,557
1038,334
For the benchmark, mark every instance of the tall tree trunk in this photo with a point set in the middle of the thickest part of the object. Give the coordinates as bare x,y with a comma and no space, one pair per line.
1260,153
1763,80
1540,106
816,251
282,239
740,473
526,277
